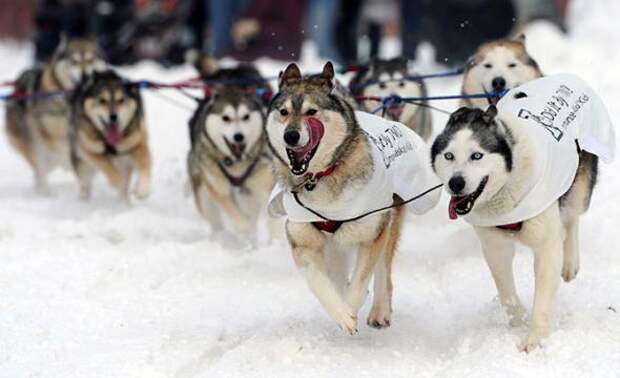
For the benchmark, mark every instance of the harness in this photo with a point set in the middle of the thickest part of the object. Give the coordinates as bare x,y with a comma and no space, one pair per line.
514,227
330,225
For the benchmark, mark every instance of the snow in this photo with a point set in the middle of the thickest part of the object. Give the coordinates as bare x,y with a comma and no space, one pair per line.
103,289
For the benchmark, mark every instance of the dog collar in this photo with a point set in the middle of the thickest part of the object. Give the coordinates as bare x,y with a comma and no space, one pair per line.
511,227
312,178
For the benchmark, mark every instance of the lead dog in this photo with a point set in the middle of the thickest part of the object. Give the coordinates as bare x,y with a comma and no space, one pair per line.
109,135
495,67
38,125
336,169
522,176
385,78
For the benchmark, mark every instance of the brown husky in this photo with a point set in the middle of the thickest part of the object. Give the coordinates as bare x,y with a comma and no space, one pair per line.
109,135
37,125
497,66
326,159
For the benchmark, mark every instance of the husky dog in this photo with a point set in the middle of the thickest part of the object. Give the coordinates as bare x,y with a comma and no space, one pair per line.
38,125
229,169
495,67
326,161
505,184
109,135
385,78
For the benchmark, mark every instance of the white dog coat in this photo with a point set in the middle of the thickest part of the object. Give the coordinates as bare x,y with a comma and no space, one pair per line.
401,166
558,112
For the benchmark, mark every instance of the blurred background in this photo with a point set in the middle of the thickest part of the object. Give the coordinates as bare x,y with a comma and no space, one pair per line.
173,32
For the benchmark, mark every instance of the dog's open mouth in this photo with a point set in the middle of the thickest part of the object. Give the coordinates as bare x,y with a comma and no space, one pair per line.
300,157
112,133
394,112
237,149
462,205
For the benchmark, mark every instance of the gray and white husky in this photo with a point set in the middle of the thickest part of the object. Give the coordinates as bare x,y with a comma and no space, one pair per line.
38,126
497,66
486,163
229,168
385,78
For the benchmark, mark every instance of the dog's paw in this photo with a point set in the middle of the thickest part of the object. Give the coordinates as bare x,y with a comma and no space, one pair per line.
533,340
569,270
347,321
517,316
379,317
142,190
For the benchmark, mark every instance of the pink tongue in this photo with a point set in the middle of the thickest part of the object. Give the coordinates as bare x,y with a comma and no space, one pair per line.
395,112
113,134
315,131
452,208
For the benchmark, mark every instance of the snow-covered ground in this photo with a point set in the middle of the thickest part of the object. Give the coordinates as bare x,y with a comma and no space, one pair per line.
102,289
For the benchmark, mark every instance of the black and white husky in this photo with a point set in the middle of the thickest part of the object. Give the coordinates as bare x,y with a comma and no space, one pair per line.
520,172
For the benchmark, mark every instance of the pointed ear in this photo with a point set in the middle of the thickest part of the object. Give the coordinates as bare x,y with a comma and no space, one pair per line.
471,62
490,114
328,72
520,38
206,65
290,75
459,115
62,43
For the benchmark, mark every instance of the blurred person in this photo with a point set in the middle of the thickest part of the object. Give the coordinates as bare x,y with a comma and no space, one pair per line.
56,17
413,17
222,15
370,18
458,27
268,28
320,25
553,11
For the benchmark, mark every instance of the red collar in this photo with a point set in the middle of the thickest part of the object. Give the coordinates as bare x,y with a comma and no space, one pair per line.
511,227
324,173
327,226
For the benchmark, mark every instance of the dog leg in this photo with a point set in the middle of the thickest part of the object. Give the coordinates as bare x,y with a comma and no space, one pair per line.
226,203
308,253
142,160
206,207
499,253
85,174
367,258
570,267
380,315
547,267
114,176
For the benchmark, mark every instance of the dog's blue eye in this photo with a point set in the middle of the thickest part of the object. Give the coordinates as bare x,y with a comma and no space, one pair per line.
512,65
488,65
448,156
476,156
226,118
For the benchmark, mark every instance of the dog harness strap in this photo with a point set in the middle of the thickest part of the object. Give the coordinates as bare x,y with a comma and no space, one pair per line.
511,227
238,181
325,173
328,226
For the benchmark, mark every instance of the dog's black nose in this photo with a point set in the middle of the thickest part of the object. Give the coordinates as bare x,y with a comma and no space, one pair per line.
291,137
499,84
456,184
238,137
113,118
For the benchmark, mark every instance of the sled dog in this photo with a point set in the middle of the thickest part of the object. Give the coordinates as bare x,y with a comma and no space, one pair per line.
37,124
109,135
495,67
385,78
524,171
341,176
